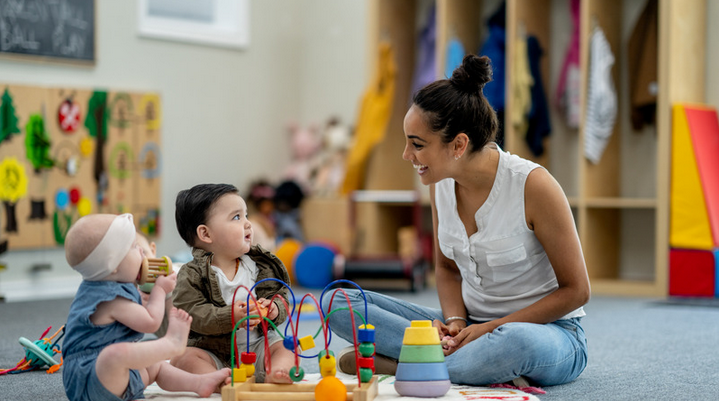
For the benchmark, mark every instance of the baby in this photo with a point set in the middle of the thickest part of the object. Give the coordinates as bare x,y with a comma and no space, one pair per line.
102,358
212,219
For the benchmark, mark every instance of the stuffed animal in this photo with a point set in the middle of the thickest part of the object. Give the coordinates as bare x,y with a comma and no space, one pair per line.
330,173
305,143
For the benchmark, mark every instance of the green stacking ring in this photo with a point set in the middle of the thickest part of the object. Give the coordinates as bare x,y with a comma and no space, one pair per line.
421,353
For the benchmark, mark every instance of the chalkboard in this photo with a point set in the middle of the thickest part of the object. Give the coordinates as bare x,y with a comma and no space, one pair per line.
55,29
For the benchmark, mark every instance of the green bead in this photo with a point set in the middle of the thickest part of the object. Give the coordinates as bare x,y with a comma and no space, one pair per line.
365,375
297,374
366,349
323,353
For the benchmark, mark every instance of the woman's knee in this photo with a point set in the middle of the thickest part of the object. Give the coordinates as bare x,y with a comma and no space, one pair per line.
338,299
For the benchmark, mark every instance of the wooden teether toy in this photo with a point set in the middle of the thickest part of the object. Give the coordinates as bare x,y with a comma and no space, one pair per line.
152,268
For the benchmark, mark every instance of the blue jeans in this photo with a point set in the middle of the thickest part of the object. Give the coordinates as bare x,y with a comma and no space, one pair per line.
545,354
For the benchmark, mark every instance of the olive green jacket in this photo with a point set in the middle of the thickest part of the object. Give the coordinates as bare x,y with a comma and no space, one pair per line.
198,292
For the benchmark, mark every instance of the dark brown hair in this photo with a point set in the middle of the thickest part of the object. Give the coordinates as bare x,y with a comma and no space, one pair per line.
192,207
457,104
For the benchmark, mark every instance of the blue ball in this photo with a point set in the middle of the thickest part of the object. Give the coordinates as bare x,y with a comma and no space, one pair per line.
314,266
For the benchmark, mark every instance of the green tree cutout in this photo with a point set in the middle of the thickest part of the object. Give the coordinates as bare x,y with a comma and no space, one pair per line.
37,143
96,123
8,119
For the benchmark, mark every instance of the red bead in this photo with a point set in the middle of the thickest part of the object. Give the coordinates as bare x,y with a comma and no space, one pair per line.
366,362
248,357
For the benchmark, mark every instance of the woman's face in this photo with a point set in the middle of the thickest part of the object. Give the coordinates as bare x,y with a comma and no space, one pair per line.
424,148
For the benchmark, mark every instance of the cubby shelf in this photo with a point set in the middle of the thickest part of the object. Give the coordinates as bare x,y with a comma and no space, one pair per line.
621,204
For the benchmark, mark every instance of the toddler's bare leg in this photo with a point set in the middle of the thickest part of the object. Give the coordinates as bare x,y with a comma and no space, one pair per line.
115,361
171,378
282,360
194,360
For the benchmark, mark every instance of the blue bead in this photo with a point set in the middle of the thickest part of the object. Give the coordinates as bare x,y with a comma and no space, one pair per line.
289,343
365,335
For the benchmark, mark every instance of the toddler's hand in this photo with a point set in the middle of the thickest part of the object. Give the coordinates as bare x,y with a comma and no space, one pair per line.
240,310
270,308
167,283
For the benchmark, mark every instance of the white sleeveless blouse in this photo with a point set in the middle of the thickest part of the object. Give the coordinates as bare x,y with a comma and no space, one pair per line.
504,267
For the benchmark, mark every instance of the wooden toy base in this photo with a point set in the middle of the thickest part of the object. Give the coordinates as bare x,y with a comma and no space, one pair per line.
250,390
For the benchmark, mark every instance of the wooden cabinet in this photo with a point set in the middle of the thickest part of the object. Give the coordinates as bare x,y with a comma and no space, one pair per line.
621,204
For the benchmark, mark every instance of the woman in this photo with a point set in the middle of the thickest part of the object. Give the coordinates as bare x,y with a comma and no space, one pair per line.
509,268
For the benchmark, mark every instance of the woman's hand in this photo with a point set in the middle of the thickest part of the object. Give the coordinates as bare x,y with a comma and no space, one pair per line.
467,335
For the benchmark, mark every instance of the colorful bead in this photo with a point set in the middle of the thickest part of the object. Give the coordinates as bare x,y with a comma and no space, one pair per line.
239,375
248,357
330,389
366,349
365,375
328,366
307,342
297,373
289,343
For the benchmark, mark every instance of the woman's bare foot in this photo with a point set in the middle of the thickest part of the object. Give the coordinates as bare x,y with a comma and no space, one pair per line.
211,382
178,328
278,375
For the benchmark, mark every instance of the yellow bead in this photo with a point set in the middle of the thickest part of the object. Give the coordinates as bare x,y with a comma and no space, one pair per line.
367,326
421,323
239,374
328,366
330,388
249,369
306,342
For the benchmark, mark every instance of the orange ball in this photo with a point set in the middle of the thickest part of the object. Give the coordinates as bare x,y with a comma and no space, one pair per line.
287,251
330,388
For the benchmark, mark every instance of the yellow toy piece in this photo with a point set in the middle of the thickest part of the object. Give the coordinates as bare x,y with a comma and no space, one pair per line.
689,219
330,389
249,369
369,327
239,374
420,332
328,366
306,342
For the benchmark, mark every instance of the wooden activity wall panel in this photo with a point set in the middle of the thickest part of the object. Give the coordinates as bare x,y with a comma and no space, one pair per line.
67,152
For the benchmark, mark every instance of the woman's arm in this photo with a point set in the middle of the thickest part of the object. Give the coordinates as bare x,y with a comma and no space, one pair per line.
449,283
548,213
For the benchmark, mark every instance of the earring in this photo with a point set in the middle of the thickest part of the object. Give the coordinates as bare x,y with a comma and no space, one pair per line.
456,157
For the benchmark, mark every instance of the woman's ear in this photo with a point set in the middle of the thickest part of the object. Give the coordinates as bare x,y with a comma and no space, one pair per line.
460,144
203,234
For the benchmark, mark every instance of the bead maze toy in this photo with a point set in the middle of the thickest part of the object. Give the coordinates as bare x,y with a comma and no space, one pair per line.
39,354
244,386
151,269
421,371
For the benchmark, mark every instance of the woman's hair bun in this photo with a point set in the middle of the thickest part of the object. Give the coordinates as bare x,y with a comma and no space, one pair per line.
473,74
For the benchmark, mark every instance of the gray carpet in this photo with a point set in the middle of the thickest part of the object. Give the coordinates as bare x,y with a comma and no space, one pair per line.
639,349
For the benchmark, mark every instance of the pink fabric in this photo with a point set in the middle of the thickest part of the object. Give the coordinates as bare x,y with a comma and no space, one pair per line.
572,56
528,390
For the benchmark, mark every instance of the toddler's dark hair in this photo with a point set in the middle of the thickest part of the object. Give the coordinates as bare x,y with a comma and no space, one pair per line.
457,104
192,207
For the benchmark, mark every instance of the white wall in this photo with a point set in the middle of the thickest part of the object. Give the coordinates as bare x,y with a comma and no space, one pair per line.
224,111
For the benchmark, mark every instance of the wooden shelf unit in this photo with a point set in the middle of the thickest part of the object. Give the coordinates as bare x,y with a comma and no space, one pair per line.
621,204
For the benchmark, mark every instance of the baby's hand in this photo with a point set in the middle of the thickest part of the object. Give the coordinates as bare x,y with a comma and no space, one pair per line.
268,308
167,283
240,310
444,342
